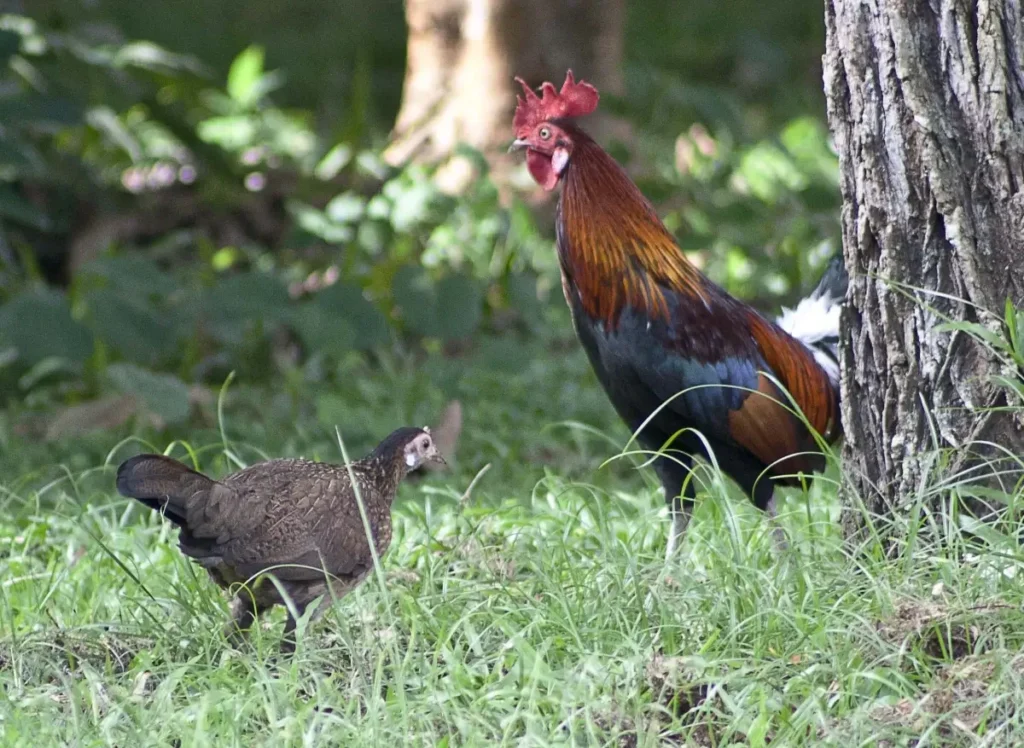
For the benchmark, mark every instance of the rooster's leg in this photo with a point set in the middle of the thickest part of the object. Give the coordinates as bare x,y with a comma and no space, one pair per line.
679,493
762,492
779,534
680,521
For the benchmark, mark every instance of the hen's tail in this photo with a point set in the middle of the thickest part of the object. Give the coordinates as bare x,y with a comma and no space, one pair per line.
162,484
815,320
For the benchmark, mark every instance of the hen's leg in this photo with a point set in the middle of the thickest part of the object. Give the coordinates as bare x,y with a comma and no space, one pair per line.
679,494
244,609
779,534
302,598
288,639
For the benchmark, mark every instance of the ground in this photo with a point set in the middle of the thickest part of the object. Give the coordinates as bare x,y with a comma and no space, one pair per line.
533,610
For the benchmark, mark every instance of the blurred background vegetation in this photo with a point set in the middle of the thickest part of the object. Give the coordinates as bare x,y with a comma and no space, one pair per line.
193,188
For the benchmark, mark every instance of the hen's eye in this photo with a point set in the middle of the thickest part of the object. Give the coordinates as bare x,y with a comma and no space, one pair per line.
545,133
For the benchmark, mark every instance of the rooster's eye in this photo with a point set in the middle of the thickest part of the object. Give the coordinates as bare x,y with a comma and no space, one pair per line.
545,133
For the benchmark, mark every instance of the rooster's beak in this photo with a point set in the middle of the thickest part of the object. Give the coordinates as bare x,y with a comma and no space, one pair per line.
517,145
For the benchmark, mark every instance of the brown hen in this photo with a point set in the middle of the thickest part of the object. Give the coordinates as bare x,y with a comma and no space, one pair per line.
294,518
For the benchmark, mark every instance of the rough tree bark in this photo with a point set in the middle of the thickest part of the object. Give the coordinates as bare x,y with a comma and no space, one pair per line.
463,54
926,104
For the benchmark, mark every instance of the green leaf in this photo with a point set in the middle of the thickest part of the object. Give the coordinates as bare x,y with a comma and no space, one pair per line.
134,275
345,303
244,76
414,297
451,310
460,301
250,295
19,210
150,56
323,331
45,369
521,289
982,333
331,164
39,325
130,326
241,301
348,207
230,132
318,223
164,394
339,318
10,44
16,154
37,109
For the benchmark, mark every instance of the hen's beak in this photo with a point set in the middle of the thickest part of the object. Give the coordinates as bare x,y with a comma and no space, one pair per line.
517,145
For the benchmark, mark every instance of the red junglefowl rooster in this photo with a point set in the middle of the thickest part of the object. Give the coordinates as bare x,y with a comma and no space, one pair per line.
676,354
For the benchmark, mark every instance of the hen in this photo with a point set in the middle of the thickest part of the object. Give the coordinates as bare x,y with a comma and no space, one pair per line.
296,519
686,366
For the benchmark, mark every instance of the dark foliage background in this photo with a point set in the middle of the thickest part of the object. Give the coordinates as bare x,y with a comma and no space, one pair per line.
193,188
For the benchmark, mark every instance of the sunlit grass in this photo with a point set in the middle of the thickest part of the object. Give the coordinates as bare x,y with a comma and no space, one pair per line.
534,610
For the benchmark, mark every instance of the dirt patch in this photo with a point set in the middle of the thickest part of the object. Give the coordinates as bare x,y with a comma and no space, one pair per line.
619,727
489,557
962,698
678,683
941,632
623,731
48,655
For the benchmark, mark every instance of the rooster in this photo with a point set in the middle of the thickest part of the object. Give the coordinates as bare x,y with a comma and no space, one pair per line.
688,367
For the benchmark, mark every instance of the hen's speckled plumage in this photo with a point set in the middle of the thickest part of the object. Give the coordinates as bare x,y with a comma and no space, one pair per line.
294,518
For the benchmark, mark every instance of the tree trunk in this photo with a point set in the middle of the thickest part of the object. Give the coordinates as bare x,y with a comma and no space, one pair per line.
926,104
463,55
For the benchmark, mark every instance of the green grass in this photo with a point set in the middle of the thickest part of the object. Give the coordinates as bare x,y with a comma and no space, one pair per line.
535,610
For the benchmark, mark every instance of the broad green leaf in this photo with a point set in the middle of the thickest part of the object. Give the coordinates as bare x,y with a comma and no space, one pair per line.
150,56
318,223
348,207
133,274
336,159
18,155
231,132
19,210
460,301
346,301
38,109
521,289
249,295
239,302
163,394
323,331
339,318
10,43
450,310
45,369
130,326
39,325
244,76
414,296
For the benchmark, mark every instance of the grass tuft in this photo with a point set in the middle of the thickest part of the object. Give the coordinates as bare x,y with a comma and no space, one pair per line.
531,609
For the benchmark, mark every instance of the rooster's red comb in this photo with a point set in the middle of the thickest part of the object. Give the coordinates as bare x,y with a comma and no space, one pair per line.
574,100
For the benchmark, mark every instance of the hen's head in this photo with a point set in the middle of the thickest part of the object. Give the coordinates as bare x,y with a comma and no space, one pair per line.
539,126
411,445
